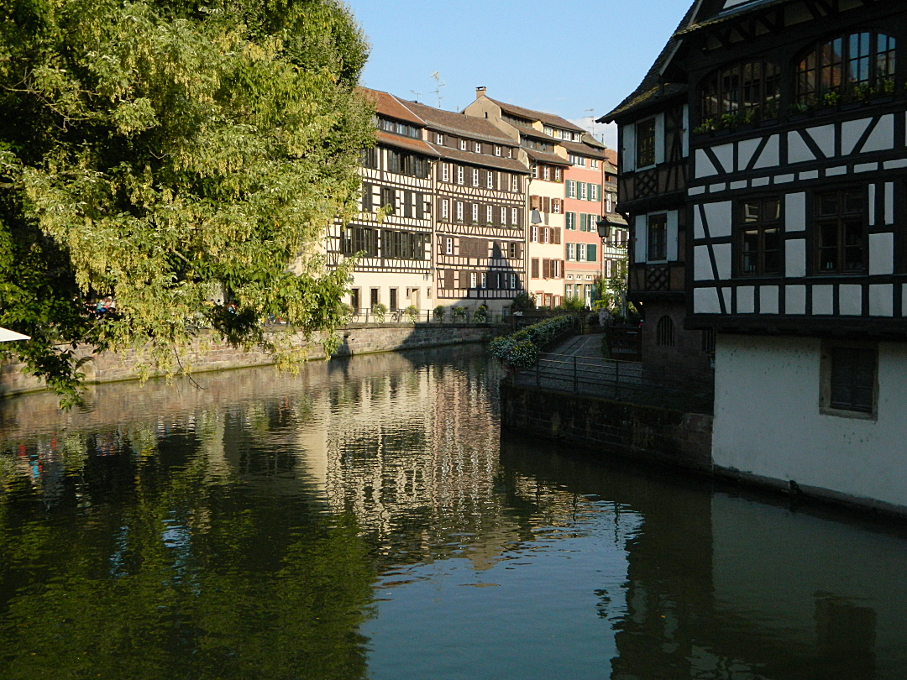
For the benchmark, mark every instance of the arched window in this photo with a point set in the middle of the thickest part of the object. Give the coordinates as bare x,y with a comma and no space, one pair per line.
849,68
664,332
749,91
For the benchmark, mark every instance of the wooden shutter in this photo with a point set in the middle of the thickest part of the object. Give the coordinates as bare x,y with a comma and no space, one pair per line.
449,278
535,267
534,202
556,236
546,268
590,252
546,204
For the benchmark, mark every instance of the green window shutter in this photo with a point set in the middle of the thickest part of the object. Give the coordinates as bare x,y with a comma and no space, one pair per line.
590,252
582,221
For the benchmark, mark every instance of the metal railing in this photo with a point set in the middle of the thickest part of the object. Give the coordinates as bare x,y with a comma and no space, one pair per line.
366,315
665,387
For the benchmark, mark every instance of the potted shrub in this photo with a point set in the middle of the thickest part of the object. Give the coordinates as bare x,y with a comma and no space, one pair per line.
412,313
379,311
438,313
481,314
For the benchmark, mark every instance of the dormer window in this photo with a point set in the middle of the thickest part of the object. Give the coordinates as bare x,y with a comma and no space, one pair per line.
478,147
849,68
462,145
747,92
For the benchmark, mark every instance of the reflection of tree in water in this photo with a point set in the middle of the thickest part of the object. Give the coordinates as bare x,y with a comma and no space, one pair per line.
154,573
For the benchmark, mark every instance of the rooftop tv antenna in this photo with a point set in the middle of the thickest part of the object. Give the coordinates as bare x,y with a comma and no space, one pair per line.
591,113
418,94
438,85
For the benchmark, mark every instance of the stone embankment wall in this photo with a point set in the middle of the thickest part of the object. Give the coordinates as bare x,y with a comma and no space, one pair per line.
625,429
207,354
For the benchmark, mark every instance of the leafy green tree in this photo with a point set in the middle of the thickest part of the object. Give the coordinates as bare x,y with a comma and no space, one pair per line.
161,150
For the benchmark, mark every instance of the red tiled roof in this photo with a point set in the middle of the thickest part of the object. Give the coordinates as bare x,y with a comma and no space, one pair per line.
388,105
460,124
509,164
549,118
407,143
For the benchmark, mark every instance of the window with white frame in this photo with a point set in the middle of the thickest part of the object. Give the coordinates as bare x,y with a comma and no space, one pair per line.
445,209
570,188
557,174
484,280
504,216
546,234
571,252
580,252
535,172
478,147
556,205
439,138
594,163
546,173
609,203
475,177
472,279
514,217
475,212
448,246
460,174
489,179
459,211
571,221
515,184
489,214
513,281
497,151
534,235
583,193
462,145
445,172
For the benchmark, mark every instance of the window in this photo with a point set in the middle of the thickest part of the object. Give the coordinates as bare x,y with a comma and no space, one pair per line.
658,237
360,240
448,246
445,209
460,174
556,205
388,199
439,138
462,145
546,173
402,245
534,234
497,150
840,236
759,237
664,332
369,158
376,298
593,163
571,252
459,211
475,212
535,268
393,299
849,379
546,234
849,68
557,174
478,147
445,172
367,203
576,160
355,298
504,216
515,184
750,90
515,217
583,191
489,180
535,172
407,164
570,188
609,203
484,280
489,214
580,252
472,279
475,177
645,143
571,221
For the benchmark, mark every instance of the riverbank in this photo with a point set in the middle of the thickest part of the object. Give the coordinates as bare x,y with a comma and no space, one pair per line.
206,353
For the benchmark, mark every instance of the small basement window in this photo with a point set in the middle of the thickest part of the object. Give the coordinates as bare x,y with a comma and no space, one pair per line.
849,376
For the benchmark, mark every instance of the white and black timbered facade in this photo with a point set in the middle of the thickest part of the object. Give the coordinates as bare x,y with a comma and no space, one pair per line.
395,259
480,211
796,200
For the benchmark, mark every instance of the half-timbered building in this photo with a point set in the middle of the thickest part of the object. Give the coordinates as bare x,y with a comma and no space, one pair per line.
394,268
480,211
540,136
796,200
653,137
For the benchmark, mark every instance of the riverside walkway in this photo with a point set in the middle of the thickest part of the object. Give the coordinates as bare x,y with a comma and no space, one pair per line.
577,366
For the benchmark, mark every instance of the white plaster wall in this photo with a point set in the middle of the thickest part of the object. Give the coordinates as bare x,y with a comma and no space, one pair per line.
768,423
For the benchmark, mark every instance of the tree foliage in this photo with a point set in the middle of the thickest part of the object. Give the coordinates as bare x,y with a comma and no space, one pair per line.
157,150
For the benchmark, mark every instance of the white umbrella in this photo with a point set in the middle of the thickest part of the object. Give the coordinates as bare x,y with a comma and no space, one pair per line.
7,335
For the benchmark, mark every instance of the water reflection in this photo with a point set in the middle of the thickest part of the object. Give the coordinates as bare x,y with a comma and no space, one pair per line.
365,519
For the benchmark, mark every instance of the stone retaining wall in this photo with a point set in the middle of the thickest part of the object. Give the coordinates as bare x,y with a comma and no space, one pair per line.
207,354
612,427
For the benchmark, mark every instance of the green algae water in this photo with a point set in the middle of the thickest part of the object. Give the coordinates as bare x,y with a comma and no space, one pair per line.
366,519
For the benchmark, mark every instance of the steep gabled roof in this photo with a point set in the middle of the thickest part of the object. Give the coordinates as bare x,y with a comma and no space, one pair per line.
652,88
388,105
549,118
460,124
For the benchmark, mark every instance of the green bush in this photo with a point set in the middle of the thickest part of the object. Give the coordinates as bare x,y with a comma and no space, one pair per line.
481,314
525,354
438,313
522,302
412,312
379,311
459,312
513,350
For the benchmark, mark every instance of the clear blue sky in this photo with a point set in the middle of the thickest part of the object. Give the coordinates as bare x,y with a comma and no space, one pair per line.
560,57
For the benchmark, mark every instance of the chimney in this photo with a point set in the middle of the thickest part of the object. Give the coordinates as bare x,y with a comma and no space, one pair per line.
480,91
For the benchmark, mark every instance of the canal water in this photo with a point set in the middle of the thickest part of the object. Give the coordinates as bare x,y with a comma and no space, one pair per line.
366,519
